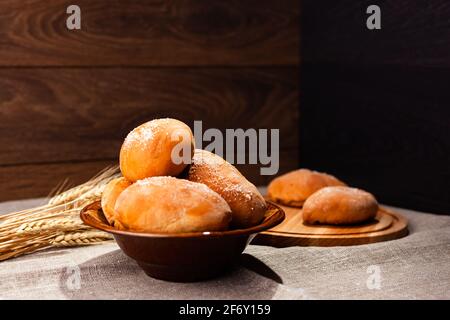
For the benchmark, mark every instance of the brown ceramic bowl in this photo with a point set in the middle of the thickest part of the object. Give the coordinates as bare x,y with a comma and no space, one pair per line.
183,257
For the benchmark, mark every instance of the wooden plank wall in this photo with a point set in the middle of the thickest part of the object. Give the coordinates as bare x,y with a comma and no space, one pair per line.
375,104
68,98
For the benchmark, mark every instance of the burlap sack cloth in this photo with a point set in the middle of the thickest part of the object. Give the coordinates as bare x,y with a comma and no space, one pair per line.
414,267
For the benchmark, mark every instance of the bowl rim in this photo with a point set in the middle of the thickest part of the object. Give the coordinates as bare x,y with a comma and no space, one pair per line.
269,222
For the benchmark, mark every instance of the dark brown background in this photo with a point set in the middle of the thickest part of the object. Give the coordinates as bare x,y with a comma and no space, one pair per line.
374,105
68,98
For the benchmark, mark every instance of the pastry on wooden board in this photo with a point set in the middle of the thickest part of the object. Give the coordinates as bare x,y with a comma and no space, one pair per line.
168,204
339,206
293,188
246,202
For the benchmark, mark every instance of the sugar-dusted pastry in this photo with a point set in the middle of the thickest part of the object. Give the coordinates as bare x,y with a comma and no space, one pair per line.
293,188
247,204
339,205
171,205
161,147
110,194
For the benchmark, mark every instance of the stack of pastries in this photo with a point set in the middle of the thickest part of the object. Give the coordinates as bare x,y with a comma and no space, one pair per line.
324,198
159,195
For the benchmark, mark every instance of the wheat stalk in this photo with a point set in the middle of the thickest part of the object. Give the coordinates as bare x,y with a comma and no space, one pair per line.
45,225
5,255
57,223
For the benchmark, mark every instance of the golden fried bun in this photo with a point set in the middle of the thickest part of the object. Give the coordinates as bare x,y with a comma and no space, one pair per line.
247,204
161,147
339,205
293,188
171,205
110,194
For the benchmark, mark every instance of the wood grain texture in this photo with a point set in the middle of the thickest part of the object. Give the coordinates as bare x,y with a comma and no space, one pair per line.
68,98
29,181
150,33
292,231
38,180
50,115
384,129
413,33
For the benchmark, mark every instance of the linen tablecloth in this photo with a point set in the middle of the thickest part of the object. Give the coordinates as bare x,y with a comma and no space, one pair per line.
414,267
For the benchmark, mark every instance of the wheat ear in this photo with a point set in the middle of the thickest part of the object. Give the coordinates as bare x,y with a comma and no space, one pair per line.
80,238
57,223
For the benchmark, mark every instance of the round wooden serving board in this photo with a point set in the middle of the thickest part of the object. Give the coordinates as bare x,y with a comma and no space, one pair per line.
387,225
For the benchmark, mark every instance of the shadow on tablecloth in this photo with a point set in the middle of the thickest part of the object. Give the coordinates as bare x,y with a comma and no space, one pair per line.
115,276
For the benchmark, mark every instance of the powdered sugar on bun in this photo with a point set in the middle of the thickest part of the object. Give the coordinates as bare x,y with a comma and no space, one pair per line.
147,150
167,204
247,204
